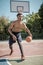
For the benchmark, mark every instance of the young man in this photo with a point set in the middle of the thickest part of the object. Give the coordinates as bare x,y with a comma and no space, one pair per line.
15,33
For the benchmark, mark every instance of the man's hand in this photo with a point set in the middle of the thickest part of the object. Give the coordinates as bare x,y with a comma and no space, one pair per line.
14,37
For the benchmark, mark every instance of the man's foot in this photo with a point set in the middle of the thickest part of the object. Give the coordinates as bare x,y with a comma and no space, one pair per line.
11,52
22,58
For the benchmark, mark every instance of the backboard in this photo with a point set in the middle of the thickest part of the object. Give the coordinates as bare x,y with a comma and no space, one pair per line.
19,6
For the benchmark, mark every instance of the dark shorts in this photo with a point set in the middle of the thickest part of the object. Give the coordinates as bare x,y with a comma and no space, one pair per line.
18,36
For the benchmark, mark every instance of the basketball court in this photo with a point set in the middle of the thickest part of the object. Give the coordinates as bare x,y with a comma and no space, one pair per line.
33,50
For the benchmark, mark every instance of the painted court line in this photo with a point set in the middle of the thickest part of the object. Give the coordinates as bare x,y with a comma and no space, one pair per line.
4,62
34,56
25,57
8,62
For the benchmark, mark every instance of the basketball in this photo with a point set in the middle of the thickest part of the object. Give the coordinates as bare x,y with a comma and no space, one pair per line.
28,39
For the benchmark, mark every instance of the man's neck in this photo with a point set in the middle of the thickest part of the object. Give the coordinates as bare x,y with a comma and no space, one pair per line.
19,20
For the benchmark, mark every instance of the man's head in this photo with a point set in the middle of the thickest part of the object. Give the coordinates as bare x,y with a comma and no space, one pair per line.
19,16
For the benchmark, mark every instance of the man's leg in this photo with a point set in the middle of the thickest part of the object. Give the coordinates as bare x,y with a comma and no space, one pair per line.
21,50
11,48
19,39
11,41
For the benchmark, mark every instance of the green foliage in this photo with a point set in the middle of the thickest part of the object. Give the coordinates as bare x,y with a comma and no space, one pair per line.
35,23
41,19
36,28
41,11
4,28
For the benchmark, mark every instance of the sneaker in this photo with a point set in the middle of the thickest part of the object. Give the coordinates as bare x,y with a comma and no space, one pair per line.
22,58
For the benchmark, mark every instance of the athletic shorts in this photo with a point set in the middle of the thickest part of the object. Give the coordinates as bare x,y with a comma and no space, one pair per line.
18,36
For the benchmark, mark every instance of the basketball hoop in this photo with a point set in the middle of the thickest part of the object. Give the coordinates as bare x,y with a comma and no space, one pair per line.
20,9
19,6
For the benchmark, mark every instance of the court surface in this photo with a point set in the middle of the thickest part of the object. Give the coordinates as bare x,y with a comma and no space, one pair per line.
33,52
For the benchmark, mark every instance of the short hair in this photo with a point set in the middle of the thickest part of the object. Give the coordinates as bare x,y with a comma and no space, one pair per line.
19,14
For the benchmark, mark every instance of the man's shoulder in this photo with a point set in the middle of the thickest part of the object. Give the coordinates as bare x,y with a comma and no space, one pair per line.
23,24
14,21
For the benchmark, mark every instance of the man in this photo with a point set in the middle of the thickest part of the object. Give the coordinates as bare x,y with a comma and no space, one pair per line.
15,33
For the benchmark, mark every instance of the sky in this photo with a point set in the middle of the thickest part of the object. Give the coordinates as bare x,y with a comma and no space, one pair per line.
5,8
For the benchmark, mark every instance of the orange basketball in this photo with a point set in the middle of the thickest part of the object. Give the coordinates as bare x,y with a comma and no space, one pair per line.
28,38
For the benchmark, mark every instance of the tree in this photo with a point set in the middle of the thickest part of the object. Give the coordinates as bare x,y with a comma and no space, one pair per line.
41,15
41,11
4,23
33,23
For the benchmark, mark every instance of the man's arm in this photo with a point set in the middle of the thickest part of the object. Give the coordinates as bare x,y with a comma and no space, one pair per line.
27,30
10,31
10,28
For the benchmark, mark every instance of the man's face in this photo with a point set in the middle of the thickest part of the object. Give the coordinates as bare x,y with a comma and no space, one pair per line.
20,17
